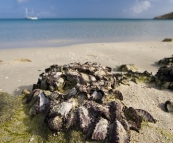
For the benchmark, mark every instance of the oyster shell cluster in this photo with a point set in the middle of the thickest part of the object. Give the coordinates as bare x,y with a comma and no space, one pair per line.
164,76
84,96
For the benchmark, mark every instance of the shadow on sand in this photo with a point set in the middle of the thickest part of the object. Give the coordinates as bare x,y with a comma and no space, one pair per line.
21,88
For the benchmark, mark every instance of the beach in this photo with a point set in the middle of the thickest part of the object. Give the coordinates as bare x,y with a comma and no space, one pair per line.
20,69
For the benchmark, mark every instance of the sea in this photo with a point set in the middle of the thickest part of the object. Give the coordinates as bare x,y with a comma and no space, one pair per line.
23,33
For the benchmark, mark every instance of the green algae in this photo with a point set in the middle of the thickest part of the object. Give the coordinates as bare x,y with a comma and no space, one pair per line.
8,106
165,134
17,125
127,67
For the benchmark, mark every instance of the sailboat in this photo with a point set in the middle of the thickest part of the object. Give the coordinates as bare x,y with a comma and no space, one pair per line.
30,17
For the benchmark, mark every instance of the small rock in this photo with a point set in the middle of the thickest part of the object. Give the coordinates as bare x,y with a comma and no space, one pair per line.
26,92
167,40
31,139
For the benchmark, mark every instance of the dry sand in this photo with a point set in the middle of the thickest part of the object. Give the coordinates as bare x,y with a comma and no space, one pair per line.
20,68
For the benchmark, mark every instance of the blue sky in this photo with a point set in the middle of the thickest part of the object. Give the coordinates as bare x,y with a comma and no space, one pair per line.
85,8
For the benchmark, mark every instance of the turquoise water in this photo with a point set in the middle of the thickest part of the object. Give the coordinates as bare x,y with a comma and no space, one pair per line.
58,32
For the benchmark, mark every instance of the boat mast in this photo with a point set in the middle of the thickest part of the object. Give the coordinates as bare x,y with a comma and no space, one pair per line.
29,16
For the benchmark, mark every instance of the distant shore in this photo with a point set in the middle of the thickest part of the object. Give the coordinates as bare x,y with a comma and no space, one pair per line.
20,68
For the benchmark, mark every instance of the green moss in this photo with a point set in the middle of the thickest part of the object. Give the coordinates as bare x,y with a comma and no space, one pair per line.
17,126
128,67
167,40
8,106
166,134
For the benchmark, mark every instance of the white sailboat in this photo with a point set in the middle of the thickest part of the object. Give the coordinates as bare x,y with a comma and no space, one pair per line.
30,17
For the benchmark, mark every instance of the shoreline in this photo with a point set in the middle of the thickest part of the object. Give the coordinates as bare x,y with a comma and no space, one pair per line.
20,69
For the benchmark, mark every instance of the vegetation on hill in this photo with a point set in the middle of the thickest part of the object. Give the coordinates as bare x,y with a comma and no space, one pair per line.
165,16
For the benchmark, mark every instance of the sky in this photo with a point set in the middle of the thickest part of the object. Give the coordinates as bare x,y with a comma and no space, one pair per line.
85,8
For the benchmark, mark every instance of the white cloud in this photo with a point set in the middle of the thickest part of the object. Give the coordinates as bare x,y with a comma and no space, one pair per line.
20,1
141,6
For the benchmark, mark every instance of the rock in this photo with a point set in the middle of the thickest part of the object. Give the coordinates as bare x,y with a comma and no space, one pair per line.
167,40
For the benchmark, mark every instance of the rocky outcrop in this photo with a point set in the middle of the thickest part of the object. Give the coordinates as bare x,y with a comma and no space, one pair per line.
165,16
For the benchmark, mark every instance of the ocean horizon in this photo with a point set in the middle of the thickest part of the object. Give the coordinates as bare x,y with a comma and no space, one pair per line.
23,33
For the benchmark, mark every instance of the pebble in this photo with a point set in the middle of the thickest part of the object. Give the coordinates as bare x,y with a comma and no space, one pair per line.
17,89
31,139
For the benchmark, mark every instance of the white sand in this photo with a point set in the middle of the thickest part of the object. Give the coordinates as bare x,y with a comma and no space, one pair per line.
17,74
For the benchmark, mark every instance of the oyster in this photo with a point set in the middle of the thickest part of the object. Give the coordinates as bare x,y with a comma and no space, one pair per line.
71,119
61,108
84,117
98,109
101,129
168,106
145,115
42,102
55,124
97,95
71,93
118,134
40,105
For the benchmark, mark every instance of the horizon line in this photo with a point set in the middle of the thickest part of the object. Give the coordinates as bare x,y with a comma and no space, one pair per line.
80,18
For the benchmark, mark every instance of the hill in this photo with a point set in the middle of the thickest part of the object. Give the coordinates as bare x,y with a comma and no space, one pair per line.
165,16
